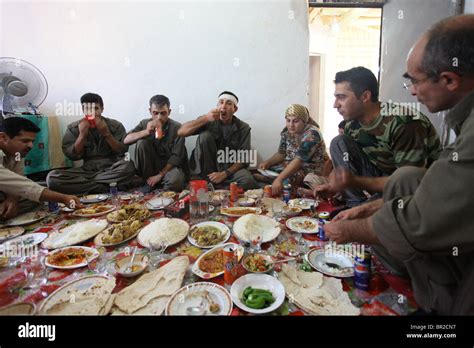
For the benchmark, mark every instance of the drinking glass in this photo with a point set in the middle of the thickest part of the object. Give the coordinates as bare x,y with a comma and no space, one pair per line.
277,209
256,240
155,253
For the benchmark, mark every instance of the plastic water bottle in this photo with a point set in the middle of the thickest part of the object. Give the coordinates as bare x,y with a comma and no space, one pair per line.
114,194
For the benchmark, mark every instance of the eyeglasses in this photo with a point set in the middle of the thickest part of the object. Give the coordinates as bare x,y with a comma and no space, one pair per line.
413,82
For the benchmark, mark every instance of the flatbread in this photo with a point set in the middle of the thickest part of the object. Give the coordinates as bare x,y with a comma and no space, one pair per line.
154,307
108,305
315,293
146,291
248,227
74,234
269,203
165,229
74,301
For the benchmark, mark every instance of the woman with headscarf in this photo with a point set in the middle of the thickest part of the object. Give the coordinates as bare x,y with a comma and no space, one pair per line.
301,151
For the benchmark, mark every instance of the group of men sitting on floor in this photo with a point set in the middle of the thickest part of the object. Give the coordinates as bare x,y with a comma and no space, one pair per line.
417,218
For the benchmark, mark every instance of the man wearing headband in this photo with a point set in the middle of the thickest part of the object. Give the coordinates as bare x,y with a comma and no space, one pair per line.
18,194
98,141
160,154
301,150
220,133
378,138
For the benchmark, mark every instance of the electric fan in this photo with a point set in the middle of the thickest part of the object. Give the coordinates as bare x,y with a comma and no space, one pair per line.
23,87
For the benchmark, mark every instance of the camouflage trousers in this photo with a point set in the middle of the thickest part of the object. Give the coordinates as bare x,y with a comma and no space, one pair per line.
345,153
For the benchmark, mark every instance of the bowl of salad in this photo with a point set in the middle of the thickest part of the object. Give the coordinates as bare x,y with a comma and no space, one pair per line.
258,263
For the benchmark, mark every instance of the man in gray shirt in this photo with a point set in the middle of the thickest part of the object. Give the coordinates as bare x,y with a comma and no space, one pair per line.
161,158
98,141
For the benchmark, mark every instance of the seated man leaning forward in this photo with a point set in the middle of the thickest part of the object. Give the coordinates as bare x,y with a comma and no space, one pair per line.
18,194
98,141
425,220
222,153
378,138
160,154
301,151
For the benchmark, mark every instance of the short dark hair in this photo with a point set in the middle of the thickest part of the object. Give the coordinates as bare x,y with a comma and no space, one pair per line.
90,98
360,79
14,125
450,47
342,124
160,100
227,92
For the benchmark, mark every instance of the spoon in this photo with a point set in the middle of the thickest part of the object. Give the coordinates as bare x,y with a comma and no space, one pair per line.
196,310
130,266
335,265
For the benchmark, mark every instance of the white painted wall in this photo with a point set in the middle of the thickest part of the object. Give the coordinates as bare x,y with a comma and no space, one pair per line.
190,51
468,6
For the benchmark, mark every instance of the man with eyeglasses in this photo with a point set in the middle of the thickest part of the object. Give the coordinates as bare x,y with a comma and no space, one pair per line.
426,221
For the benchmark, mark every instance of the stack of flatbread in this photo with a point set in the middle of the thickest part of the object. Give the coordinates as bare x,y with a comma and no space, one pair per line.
149,294
315,293
271,203
169,230
248,227
74,234
95,300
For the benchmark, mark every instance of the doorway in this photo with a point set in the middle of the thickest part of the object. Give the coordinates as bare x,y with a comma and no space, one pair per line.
340,38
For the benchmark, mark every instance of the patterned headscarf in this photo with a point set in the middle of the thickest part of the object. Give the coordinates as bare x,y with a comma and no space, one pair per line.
301,112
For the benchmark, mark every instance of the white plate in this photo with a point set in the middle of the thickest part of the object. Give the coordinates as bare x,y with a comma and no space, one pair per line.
218,196
110,208
81,284
27,240
205,275
25,308
10,232
258,281
237,211
155,229
303,203
94,255
98,239
268,173
190,295
317,257
158,203
241,230
94,198
75,234
27,219
224,230
291,224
